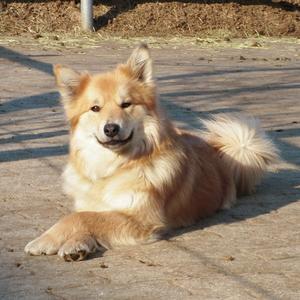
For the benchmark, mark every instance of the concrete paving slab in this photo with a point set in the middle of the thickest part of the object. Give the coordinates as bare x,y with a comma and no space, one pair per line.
249,252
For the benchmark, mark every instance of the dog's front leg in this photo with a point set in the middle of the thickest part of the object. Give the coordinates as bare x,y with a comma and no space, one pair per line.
77,235
59,237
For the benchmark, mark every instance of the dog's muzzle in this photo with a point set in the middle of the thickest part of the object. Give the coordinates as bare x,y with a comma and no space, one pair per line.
115,142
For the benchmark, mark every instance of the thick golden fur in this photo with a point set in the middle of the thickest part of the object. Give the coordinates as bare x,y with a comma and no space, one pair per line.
155,176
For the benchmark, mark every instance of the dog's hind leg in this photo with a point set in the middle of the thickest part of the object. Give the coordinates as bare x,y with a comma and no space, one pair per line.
77,235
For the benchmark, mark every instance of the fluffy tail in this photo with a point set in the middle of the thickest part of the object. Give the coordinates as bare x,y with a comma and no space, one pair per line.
243,146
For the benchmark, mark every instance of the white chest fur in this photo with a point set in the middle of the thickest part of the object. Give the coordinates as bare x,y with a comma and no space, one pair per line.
93,196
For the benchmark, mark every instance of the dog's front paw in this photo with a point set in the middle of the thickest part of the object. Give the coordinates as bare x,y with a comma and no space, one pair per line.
44,244
78,247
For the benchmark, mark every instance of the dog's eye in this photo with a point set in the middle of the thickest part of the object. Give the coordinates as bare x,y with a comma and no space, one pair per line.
95,108
125,104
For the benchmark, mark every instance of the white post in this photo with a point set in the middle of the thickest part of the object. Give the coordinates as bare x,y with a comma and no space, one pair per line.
86,8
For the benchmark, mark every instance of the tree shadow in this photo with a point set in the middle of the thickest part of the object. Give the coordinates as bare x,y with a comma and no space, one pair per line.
222,93
25,60
245,69
32,136
33,153
38,101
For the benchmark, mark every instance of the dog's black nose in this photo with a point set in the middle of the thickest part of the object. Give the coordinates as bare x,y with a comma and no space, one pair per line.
111,129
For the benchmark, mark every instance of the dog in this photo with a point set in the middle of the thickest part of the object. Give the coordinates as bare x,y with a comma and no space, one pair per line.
132,174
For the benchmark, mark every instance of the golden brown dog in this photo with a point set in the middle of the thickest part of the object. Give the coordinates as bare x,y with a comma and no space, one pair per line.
132,174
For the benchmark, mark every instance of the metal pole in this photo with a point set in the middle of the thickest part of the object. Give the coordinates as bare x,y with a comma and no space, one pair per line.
86,8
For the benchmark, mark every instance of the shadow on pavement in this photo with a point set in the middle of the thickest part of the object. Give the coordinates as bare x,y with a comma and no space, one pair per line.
25,60
50,100
32,153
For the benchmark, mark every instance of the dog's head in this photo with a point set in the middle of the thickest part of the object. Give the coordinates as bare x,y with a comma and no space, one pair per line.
116,110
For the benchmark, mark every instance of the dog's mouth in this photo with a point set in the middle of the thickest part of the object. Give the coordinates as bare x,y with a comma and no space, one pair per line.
115,143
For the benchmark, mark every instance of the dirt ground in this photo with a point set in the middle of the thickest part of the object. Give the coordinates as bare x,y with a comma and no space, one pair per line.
234,18
249,252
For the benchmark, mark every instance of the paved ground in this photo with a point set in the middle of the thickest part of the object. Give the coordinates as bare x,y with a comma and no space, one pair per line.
249,252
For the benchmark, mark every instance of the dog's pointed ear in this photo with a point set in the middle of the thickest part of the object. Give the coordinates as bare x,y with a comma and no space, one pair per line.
68,82
140,64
